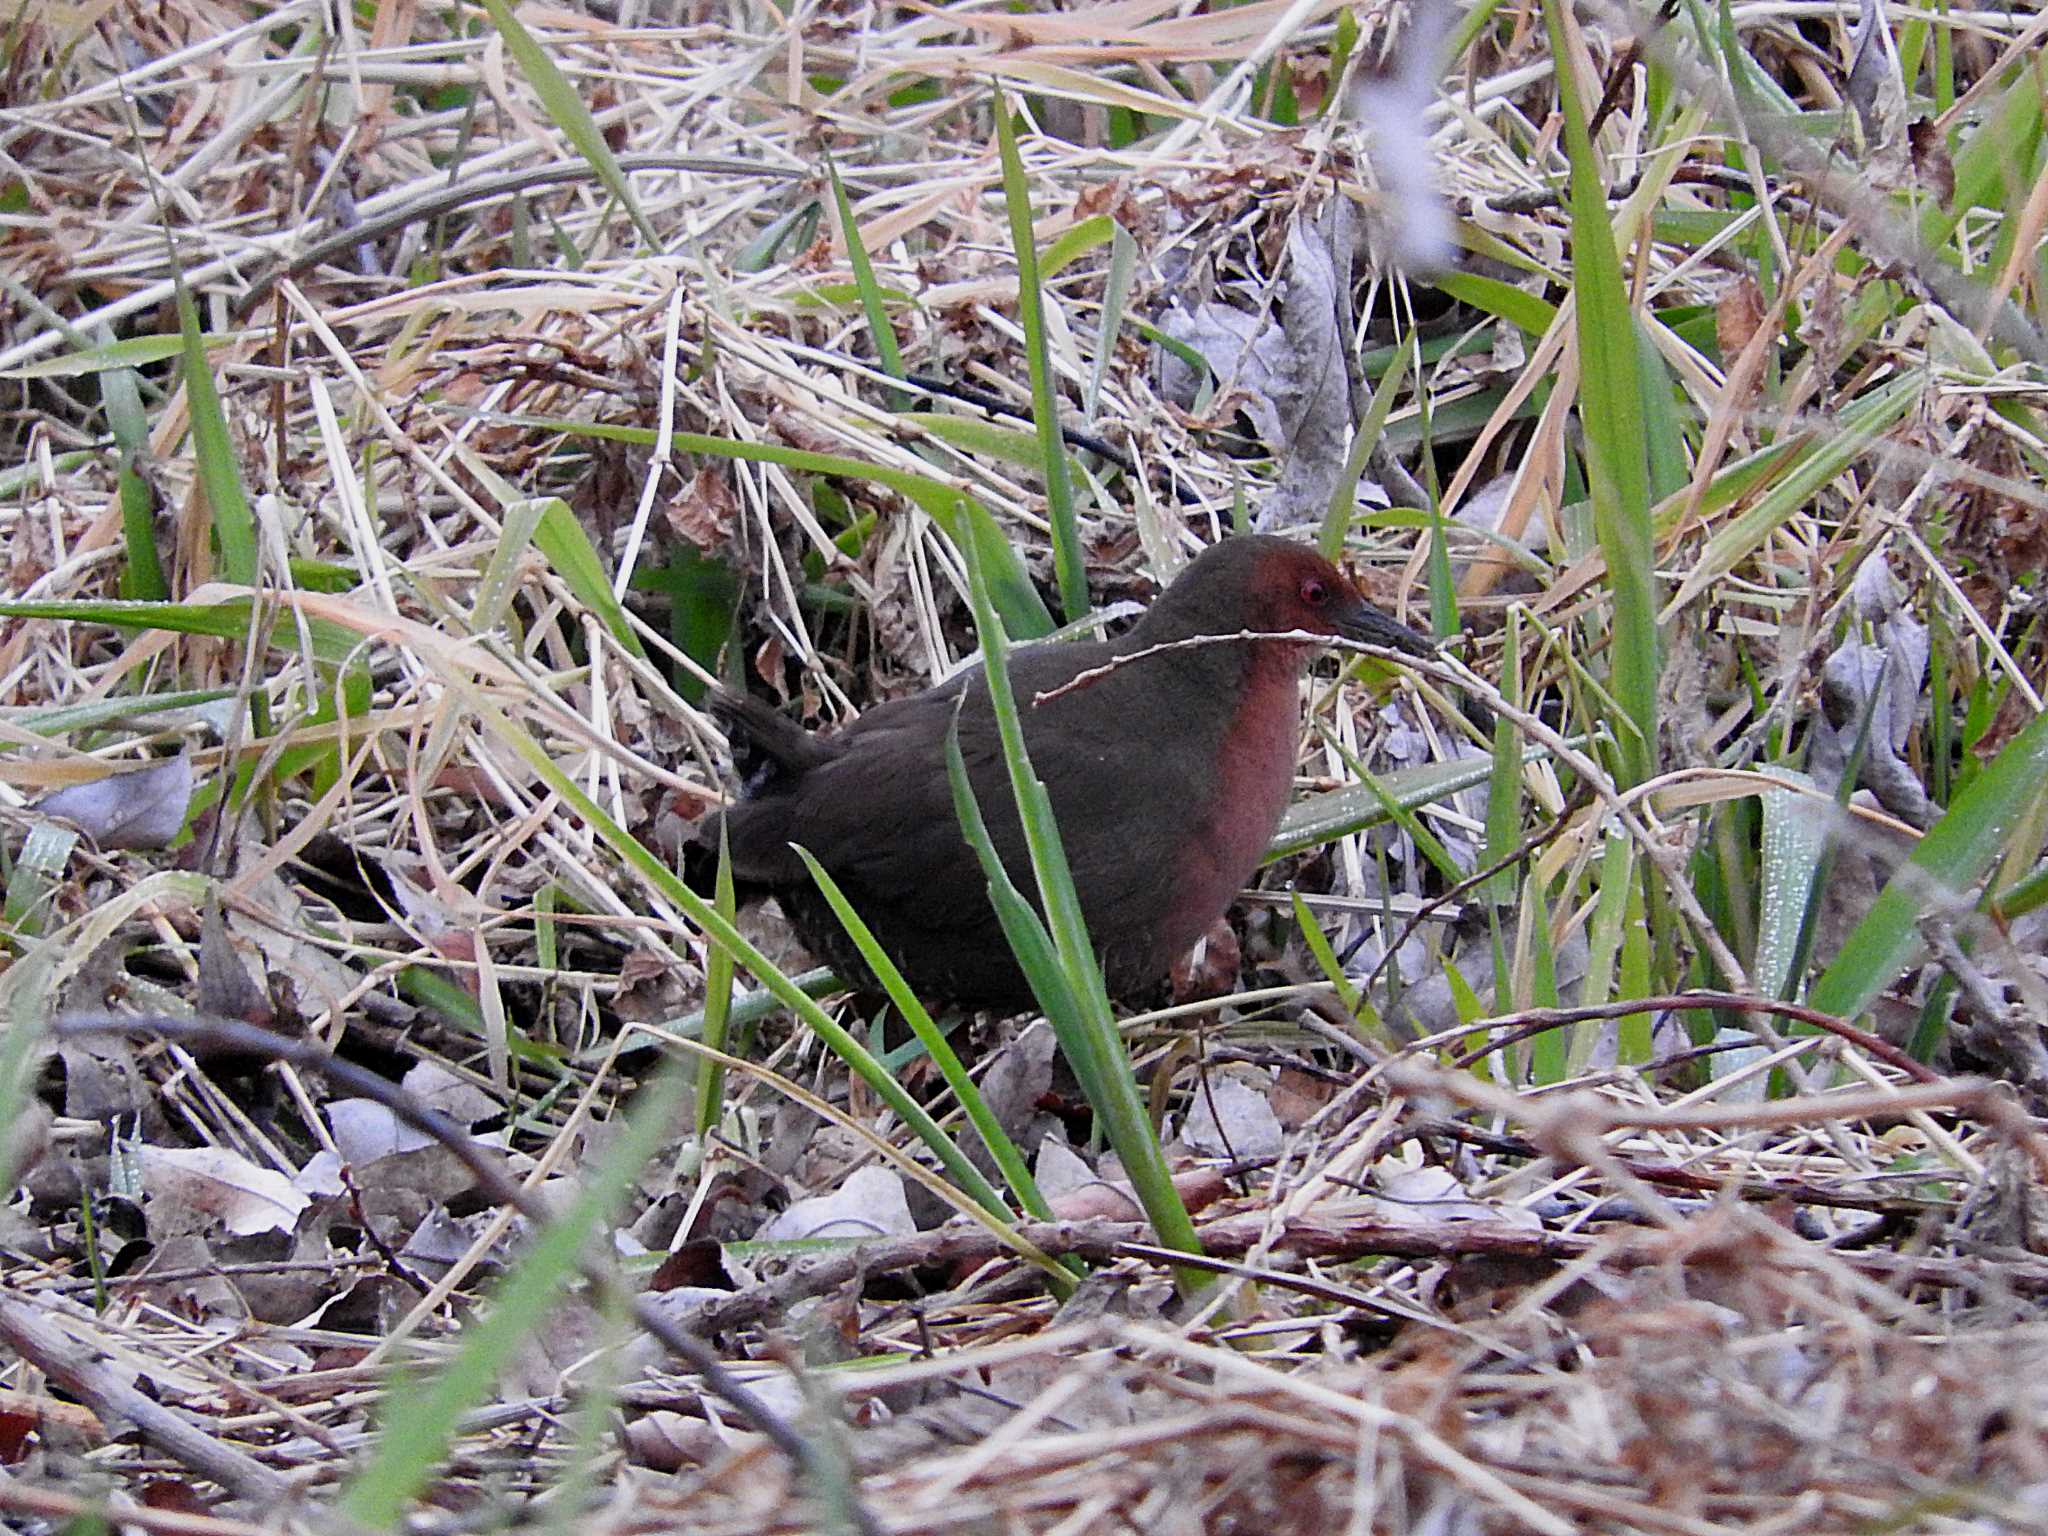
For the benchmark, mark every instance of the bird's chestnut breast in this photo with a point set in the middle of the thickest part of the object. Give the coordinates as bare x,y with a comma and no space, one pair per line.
1254,780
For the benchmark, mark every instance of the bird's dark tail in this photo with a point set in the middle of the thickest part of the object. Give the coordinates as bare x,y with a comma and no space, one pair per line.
700,858
767,748
769,752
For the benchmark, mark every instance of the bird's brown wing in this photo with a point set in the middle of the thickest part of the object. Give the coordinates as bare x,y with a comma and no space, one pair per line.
1119,807
879,816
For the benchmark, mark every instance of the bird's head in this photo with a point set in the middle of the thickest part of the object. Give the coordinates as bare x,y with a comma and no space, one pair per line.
1258,582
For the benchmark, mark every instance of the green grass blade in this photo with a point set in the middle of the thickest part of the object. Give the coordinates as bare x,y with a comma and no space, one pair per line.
220,476
128,353
565,106
1007,1158
226,621
20,1042
1547,1052
33,881
1116,294
1036,954
1318,944
100,713
1604,940
718,978
974,434
1120,1108
2023,895
503,572
1344,495
1097,230
1793,844
1068,564
1957,852
1986,163
142,574
566,544
555,531
1610,407
1518,306
1504,789
880,331
1323,818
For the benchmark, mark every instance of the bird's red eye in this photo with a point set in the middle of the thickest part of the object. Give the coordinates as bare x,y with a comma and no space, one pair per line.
1314,592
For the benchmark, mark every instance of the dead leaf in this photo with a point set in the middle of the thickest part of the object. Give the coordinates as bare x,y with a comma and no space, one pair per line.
1293,376
445,927
706,511
1431,1194
871,1203
144,809
1059,1169
456,1097
1297,1097
191,1188
1738,316
1875,87
669,1442
294,963
365,1132
440,1241
226,989
1017,1078
1230,1118
768,662
1883,675
1099,1199
1931,163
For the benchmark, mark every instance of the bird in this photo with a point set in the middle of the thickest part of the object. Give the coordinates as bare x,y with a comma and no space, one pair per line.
1168,774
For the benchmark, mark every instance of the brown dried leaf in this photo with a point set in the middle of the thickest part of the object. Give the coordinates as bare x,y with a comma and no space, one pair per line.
706,511
1931,163
1737,317
669,1442
1297,1097
768,663
226,989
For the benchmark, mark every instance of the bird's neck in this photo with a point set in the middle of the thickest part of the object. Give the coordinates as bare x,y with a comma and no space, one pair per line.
1198,653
